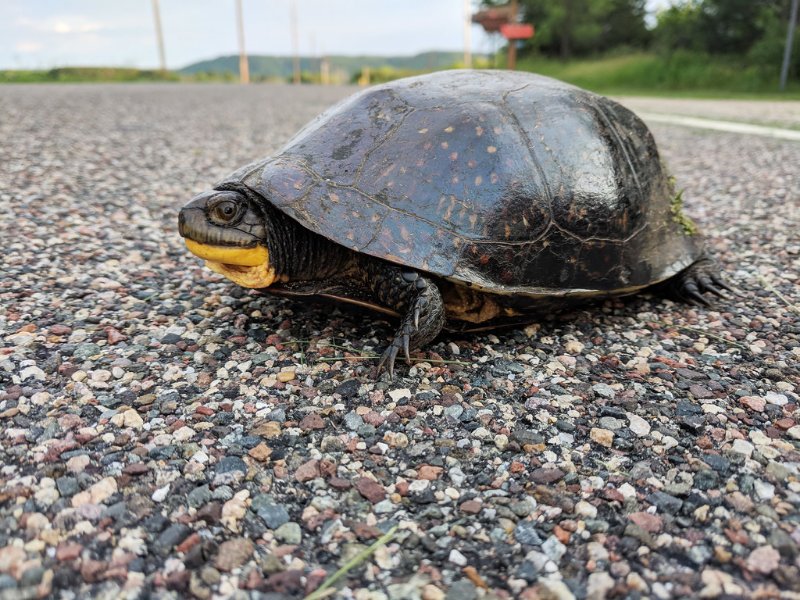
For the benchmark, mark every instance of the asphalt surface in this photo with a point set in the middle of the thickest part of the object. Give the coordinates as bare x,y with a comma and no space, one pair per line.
167,434
774,113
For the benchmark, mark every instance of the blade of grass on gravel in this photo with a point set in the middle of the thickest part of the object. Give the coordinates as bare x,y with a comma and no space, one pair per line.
351,564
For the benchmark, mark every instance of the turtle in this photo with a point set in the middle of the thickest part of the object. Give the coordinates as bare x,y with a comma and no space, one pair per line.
462,199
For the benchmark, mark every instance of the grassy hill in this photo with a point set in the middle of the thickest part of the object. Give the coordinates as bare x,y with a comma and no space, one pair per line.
280,67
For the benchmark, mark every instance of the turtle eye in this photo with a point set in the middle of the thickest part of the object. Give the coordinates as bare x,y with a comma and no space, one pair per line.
224,211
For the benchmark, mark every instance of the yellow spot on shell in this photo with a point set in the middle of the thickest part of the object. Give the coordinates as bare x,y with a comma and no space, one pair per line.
479,131
448,129
478,180
491,149
333,197
424,130
444,145
453,155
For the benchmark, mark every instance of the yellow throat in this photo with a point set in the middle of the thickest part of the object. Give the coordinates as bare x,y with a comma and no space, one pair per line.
248,267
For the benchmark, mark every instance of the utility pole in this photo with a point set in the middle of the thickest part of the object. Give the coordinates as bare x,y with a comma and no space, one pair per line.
162,61
295,44
512,44
787,51
244,67
467,34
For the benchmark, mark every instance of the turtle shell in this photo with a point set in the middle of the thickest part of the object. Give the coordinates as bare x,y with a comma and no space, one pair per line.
511,182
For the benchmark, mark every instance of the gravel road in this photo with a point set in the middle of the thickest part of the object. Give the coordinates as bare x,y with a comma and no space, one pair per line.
167,434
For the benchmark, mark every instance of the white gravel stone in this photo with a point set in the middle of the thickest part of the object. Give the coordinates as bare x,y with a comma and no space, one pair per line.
604,390
418,486
627,490
556,589
553,548
574,347
457,476
743,447
457,558
501,441
77,464
776,399
32,372
184,433
637,424
399,394
585,509
764,490
160,494
598,586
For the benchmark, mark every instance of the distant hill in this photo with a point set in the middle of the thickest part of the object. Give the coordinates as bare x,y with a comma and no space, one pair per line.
280,67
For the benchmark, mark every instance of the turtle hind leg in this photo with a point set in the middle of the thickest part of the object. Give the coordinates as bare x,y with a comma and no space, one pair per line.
701,277
419,303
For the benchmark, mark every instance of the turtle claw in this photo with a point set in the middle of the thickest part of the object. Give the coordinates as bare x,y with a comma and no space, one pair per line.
388,358
421,305
701,278
708,286
720,282
401,341
691,291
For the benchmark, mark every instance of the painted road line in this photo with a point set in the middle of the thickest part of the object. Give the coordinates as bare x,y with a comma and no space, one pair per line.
730,126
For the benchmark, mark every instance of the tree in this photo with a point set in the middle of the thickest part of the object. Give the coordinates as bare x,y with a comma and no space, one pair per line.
681,26
733,27
581,27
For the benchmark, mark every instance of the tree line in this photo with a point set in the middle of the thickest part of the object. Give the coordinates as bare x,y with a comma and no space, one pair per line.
750,29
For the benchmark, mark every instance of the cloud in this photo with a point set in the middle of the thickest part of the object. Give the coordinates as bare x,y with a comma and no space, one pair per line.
61,25
27,47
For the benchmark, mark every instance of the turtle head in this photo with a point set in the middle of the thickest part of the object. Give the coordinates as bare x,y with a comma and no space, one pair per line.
228,231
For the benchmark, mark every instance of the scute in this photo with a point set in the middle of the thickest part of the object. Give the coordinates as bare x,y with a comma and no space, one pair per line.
512,182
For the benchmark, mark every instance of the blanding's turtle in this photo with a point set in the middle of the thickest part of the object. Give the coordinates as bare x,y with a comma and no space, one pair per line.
460,199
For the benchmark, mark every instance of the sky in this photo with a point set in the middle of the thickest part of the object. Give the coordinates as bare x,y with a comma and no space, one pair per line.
42,34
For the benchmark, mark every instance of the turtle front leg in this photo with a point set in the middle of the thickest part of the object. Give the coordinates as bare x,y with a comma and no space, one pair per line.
697,279
419,302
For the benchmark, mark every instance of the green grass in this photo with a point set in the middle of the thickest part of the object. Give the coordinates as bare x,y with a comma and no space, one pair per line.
86,74
681,74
